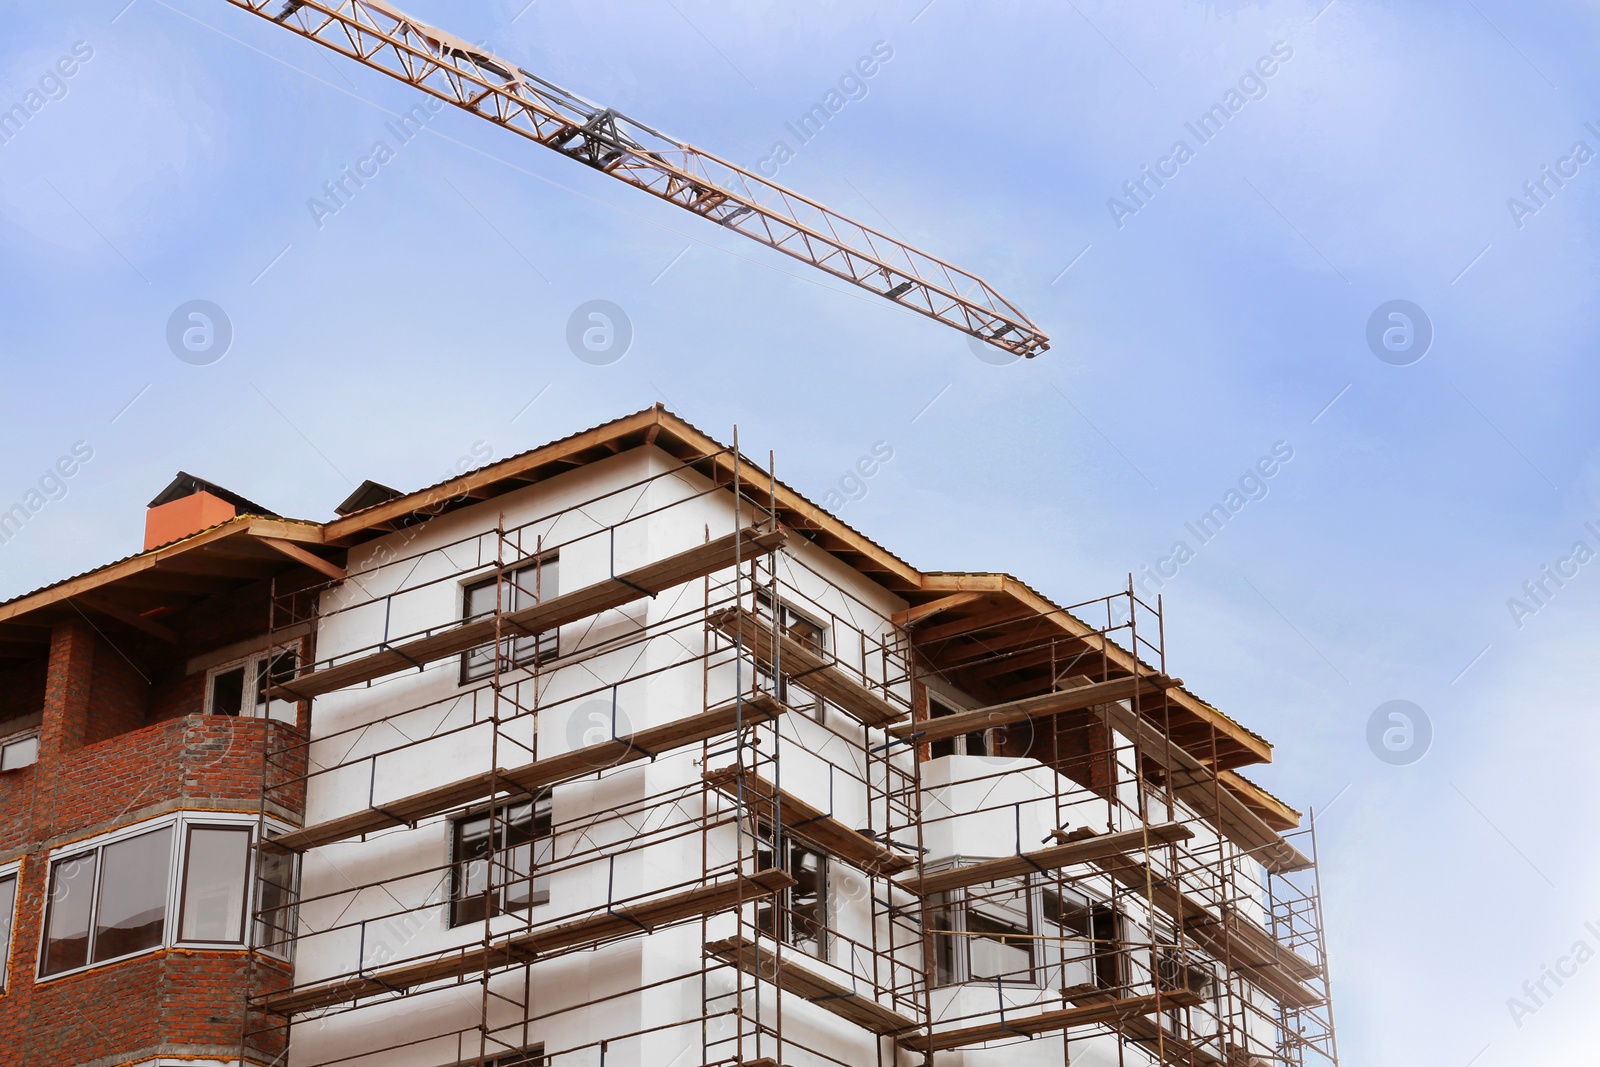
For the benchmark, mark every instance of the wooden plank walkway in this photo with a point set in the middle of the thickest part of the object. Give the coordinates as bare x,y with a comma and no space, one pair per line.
644,744
538,618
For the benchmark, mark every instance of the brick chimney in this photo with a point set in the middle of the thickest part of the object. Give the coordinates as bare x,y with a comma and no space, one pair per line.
190,505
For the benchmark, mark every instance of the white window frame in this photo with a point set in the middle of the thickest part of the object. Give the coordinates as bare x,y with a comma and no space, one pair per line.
12,870
31,733
768,608
959,742
282,710
1048,960
179,823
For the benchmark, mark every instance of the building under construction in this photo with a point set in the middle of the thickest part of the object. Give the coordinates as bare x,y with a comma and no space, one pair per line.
623,752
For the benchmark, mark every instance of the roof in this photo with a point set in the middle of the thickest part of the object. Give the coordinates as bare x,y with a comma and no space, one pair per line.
993,634
186,485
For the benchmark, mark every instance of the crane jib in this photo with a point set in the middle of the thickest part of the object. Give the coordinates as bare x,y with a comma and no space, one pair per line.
379,35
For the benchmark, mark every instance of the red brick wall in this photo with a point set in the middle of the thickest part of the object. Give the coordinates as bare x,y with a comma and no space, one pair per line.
118,695
99,770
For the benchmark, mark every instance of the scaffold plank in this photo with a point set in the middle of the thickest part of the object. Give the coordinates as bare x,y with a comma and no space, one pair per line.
1100,847
540,774
1075,699
804,821
617,921
812,670
1150,1035
1240,943
1196,785
759,960
1111,1011
538,618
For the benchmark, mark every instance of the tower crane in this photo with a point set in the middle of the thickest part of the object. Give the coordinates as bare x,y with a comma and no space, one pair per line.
376,34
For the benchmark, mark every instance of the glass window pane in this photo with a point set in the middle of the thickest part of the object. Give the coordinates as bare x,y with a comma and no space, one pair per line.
67,927
8,908
215,875
21,753
227,692
131,912
479,600
275,902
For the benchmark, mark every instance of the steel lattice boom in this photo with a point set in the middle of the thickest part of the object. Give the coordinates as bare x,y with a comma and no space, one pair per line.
378,35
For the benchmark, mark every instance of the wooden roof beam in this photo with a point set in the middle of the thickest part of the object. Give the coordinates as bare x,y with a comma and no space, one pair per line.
305,558
912,616
1057,703
128,618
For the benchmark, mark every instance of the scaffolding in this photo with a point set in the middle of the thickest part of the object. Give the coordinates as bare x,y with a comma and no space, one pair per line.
641,817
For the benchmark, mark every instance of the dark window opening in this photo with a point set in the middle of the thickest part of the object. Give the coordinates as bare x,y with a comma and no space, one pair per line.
497,857
975,743
227,691
798,915
807,632
255,676
517,589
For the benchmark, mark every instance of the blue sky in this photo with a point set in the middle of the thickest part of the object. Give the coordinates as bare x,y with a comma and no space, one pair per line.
1220,319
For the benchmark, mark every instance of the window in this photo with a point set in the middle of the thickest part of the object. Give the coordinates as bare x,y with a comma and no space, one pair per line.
115,899
518,589
8,912
1177,970
1081,941
19,751
808,632
999,936
227,690
277,892
496,857
107,903
1017,931
973,744
798,915
216,870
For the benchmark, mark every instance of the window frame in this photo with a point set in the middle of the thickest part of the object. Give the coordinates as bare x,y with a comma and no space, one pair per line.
181,886
179,824
961,744
1048,961
537,655
10,740
788,617
780,906
459,861
268,708
9,872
